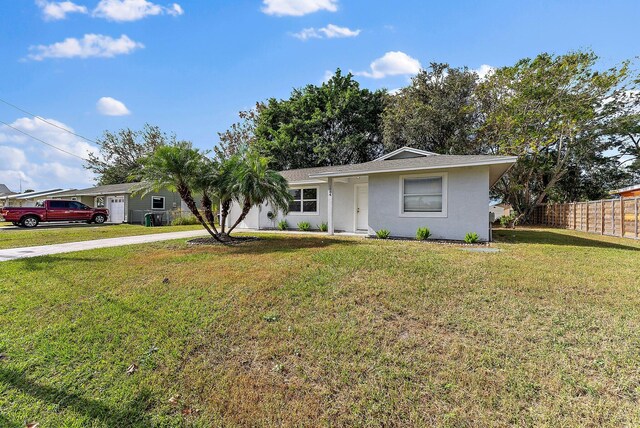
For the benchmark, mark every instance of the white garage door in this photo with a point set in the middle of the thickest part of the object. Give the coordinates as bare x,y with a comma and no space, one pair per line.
115,205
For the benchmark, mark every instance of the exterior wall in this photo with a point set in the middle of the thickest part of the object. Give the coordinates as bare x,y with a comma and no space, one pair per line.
136,206
630,194
467,202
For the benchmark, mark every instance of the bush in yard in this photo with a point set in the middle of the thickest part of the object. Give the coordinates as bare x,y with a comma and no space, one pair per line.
186,220
323,227
508,221
423,233
283,225
471,238
383,234
304,226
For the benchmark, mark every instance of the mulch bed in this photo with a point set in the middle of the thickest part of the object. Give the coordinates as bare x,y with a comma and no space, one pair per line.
434,241
237,240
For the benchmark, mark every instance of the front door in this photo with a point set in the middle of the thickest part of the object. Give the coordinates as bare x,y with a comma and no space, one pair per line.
115,205
362,206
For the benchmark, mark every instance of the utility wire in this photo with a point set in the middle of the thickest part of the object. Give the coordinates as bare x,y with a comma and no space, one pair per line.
42,141
46,121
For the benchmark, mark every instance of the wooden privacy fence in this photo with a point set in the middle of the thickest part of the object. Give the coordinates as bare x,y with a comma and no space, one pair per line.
615,217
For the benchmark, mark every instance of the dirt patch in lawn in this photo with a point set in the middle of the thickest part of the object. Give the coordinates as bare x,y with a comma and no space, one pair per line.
228,241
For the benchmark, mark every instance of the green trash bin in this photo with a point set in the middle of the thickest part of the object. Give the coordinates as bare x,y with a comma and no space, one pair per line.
148,220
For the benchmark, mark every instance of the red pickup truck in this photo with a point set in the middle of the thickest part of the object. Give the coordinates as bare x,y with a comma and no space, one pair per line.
53,210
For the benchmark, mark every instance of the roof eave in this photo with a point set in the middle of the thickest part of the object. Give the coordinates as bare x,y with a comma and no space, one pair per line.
510,160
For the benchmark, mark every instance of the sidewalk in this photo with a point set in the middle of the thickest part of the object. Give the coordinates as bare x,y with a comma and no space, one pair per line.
45,250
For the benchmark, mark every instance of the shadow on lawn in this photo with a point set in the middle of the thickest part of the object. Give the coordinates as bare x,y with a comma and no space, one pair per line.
135,413
552,237
45,262
288,244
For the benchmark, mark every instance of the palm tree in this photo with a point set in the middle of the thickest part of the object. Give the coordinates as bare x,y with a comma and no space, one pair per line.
255,183
175,167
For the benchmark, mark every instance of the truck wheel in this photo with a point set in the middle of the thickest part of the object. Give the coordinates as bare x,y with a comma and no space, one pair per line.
99,218
30,221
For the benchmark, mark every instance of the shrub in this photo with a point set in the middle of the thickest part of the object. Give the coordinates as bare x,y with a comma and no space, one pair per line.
507,221
304,226
471,238
283,225
383,234
423,233
323,227
184,220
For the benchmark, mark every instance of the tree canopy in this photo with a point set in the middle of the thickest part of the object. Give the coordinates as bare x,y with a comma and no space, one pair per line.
553,112
332,124
120,154
437,112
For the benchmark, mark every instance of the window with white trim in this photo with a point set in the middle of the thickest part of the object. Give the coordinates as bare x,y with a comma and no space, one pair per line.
423,195
99,202
157,202
305,200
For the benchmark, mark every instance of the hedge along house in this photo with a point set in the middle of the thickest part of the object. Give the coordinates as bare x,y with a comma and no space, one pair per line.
125,205
400,191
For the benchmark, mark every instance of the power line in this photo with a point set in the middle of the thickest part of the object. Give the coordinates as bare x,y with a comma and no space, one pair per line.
42,141
46,121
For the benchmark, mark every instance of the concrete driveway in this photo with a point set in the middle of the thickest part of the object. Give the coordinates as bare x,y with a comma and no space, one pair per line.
45,250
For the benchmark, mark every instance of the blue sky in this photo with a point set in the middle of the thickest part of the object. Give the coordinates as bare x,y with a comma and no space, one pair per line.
190,66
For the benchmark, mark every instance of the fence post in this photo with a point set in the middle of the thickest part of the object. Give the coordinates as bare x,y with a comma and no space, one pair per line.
587,217
622,216
613,217
636,210
602,217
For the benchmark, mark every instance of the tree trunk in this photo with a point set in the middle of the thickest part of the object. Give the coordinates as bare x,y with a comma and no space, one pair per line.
245,210
206,205
187,197
225,206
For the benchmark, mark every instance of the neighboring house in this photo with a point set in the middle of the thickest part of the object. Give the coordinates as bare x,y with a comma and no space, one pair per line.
400,191
125,205
4,191
628,192
29,199
497,211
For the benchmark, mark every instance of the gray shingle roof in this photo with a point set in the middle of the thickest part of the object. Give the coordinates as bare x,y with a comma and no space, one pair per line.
408,164
109,189
4,190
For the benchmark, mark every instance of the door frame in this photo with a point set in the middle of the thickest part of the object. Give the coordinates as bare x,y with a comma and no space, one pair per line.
355,205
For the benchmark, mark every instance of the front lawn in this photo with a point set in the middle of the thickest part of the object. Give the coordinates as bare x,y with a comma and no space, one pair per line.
311,330
45,235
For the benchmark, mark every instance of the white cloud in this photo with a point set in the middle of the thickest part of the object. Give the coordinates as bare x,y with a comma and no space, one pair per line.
39,166
91,45
111,107
133,10
297,7
330,32
56,10
483,71
392,64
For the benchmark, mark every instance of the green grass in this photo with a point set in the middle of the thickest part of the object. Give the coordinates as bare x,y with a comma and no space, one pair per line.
14,238
313,331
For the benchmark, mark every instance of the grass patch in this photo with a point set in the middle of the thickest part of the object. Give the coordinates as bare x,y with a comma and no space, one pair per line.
46,235
311,330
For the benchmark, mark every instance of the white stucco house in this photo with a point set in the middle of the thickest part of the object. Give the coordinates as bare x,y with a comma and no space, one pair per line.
400,191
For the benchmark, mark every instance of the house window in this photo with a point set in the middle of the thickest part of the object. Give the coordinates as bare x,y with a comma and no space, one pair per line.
305,200
423,195
99,202
157,202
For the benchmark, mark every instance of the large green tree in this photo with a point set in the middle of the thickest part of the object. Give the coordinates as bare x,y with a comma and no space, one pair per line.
335,123
120,154
553,113
437,112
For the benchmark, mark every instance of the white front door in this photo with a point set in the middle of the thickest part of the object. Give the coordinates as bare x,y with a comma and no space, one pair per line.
115,205
362,206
